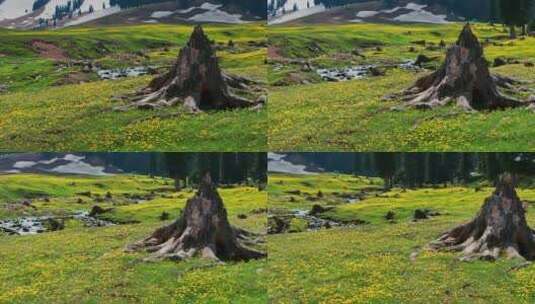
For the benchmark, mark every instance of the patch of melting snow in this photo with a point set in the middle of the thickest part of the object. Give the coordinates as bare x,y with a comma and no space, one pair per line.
13,9
214,14
187,10
95,15
297,14
50,8
35,225
415,6
123,73
161,14
418,14
276,163
24,164
80,168
72,157
422,16
366,14
68,164
49,162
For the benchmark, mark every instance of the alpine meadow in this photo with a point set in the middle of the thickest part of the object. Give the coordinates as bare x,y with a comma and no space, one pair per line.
267,151
69,83
401,76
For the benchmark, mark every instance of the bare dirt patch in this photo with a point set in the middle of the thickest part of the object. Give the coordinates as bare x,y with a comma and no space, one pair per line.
274,52
49,50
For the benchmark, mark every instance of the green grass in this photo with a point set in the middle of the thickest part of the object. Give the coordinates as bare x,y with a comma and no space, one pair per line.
370,263
89,265
349,116
39,113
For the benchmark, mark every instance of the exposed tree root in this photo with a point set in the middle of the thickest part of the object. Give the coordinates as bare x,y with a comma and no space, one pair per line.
500,228
203,230
464,79
195,81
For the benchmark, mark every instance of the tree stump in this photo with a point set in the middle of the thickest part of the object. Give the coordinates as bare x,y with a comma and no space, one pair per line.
500,227
195,81
203,229
464,78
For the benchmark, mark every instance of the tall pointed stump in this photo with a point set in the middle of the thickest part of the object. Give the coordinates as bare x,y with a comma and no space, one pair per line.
203,229
195,80
499,228
464,78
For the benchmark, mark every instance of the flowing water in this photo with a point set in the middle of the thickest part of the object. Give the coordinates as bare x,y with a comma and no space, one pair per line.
123,73
360,71
38,224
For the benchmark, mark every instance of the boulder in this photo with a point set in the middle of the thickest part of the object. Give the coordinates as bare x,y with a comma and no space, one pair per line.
499,61
421,59
97,210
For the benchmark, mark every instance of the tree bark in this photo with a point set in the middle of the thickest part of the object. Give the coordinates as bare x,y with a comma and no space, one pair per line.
464,79
203,229
499,228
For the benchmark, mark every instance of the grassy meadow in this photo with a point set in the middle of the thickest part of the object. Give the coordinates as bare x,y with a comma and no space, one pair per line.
307,114
89,265
50,104
370,263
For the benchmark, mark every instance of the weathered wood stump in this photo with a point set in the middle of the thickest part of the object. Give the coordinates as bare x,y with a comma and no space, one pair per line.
464,78
195,81
499,228
203,229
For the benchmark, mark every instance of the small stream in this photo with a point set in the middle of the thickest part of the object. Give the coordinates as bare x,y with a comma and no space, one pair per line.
123,73
281,222
360,71
38,224
315,223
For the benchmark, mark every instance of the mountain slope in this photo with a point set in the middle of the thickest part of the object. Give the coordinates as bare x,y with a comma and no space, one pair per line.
26,14
393,11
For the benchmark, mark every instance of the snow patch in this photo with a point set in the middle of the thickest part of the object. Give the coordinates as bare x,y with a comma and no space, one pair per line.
13,9
80,168
96,15
214,14
366,14
161,14
50,7
415,7
98,5
48,162
72,157
297,14
422,16
417,14
24,164
276,163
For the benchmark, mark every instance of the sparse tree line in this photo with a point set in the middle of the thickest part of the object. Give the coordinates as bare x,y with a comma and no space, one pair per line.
188,168
61,11
419,169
